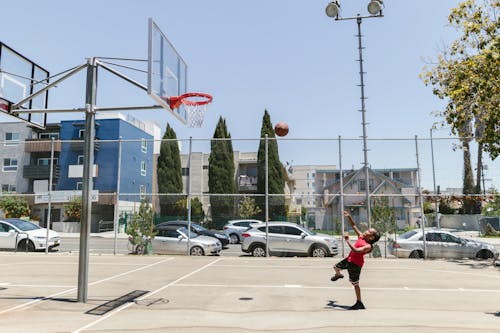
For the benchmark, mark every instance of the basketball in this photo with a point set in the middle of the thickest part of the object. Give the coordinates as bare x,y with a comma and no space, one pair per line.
281,129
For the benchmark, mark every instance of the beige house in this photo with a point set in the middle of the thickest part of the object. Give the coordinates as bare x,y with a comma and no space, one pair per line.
398,185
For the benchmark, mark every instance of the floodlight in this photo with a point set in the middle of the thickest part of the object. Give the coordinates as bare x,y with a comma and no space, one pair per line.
333,9
375,7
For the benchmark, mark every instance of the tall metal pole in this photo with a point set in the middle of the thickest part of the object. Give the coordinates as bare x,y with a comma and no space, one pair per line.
363,115
88,152
117,203
189,195
49,210
436,198
341,197
422,223
267,193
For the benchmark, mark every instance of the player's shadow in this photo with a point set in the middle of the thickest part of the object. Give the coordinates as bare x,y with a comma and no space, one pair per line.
496,314
333,305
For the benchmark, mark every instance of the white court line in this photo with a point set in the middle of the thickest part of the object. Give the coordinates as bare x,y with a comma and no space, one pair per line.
31,303
69,263
112,313
35,285
277,286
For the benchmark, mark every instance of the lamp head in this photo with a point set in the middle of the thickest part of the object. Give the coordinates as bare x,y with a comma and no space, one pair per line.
333,9
375,7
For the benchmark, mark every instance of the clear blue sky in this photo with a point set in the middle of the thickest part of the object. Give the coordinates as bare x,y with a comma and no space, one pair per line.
286,56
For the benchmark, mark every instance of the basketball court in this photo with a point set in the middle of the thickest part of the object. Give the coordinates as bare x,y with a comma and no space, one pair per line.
244,294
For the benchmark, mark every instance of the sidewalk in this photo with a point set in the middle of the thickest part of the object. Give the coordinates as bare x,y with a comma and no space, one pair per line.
106,234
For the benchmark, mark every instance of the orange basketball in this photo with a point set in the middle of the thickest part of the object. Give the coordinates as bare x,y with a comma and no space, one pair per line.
281,128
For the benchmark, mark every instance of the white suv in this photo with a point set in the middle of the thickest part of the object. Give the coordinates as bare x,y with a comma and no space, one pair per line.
286,238
235,228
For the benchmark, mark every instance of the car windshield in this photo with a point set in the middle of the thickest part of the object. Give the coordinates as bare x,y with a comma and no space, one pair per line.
184,232
198,227
23,225
408,234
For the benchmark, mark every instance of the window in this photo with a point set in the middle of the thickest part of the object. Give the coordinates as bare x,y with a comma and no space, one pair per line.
362,185
144,146
185,171
11,139
5,227
46,161
80,159
143,168
9,164
433,237
292,231
81,133
205,167
79,186
48,135
450,238
143,191
242,224
272,229
8,188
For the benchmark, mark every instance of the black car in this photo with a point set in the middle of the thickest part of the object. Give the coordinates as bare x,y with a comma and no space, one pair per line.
195,227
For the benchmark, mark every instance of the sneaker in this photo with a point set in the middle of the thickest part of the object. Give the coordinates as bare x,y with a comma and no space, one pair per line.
357,306
336,277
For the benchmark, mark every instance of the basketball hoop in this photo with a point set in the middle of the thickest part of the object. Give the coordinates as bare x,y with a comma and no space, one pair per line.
195,104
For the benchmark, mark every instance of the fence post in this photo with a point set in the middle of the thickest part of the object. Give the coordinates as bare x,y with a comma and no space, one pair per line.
422,216
117,196
49,210
189,196
267,193
341,197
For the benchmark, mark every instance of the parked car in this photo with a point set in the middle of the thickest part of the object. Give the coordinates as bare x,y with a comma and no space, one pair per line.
195,227
235,228
26,236
174,240
286,238
440,244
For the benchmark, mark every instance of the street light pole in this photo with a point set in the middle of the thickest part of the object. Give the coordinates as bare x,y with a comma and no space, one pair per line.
332,10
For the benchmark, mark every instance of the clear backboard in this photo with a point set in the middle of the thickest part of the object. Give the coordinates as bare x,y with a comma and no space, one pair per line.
167,71
19,78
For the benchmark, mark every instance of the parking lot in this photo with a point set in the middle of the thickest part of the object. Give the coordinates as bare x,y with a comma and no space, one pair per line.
244,294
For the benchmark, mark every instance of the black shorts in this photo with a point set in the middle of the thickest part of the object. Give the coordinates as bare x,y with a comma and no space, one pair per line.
353,269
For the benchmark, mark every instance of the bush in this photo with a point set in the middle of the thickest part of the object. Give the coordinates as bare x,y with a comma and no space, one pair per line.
15,207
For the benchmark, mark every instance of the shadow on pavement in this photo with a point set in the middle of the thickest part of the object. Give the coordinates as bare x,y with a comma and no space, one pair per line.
474,264
332,304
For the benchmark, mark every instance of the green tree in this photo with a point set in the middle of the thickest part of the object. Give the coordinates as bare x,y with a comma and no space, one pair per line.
221,174
197,213
276,178
383,216
14,206
467,76
169,172
492,208
73,210
248,208
141,228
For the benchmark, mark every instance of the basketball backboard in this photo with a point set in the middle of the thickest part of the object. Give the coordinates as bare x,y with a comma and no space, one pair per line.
19,78
167,71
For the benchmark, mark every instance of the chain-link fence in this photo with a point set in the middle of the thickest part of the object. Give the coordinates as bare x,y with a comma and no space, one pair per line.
407,186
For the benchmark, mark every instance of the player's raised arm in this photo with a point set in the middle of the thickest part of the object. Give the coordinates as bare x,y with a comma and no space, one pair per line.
353,225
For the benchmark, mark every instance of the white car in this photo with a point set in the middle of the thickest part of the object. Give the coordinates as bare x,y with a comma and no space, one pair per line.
25,236
174,240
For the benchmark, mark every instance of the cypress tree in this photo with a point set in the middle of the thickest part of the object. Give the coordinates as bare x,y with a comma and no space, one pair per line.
221,174
169,171
276,178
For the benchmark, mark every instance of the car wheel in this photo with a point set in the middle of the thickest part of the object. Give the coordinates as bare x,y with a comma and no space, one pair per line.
234,238
416,254
259,251
25,245
484,254
319,252
196,251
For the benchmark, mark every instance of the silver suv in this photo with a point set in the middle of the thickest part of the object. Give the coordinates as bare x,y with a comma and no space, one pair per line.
287,239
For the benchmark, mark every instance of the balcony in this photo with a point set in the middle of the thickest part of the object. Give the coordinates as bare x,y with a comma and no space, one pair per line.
41,146
40,171
78,145
247,183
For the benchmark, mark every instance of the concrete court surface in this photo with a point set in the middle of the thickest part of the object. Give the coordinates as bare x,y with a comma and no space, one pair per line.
246,294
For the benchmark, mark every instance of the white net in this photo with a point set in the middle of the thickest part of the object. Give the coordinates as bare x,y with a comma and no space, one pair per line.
195,114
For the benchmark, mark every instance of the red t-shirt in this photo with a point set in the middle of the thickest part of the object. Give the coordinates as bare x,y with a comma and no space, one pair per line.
357,258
